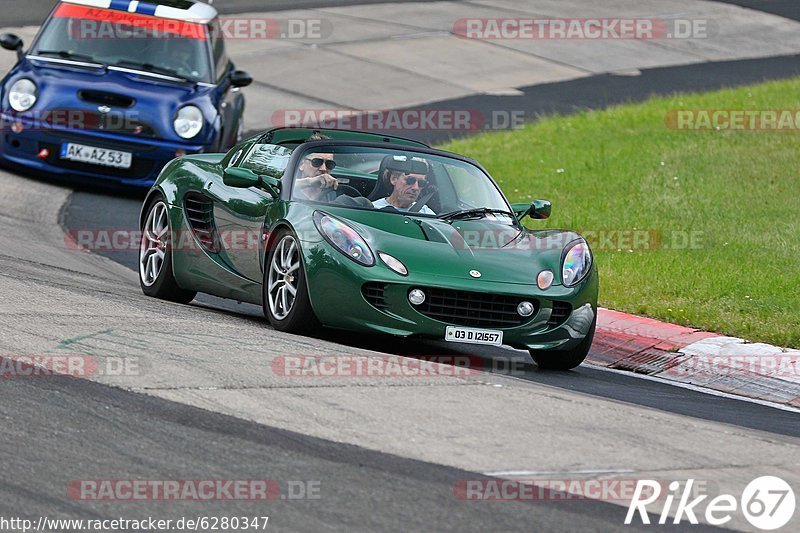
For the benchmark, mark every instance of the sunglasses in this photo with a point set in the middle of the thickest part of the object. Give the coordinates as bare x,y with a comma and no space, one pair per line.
317,162
421,182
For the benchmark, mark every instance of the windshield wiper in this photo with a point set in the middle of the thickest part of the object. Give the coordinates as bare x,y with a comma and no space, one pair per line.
477,213
149,67
65,54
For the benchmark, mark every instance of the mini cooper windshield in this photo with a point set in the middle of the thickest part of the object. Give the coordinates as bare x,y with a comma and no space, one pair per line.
127,40
398,181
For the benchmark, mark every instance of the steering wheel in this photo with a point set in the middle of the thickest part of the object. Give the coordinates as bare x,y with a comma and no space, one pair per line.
331,194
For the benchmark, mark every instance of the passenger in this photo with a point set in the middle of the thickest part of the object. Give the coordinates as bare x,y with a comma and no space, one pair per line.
407,186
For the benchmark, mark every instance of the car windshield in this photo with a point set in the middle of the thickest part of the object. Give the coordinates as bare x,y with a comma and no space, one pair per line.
398,181
117,38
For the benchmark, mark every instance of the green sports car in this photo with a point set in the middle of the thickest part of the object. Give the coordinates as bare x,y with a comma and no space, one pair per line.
372,233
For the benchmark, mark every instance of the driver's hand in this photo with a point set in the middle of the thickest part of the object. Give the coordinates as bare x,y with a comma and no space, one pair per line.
326,181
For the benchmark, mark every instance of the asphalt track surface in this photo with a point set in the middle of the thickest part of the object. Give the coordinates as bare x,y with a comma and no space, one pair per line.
88,427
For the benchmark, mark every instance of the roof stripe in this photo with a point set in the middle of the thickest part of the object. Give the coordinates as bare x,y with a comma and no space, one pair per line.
189,29
121,5
198,12
146,9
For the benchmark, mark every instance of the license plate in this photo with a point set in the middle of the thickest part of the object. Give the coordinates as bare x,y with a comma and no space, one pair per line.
474,336
96,156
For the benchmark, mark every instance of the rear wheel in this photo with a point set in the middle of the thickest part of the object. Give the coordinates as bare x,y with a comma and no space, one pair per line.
286,301
155,257
565,359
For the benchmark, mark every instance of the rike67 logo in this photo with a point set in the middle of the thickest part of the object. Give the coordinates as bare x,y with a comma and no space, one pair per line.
767,502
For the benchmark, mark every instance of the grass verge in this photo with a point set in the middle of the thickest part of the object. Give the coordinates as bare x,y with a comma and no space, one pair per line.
707,222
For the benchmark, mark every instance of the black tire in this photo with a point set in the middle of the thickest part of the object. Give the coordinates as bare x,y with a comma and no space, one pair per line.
300,318
565,359
164,287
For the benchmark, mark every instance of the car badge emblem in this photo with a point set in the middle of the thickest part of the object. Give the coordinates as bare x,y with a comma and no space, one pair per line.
104,109
475,273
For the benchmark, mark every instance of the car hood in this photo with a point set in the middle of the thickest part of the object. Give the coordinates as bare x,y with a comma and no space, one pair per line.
499,251
134,99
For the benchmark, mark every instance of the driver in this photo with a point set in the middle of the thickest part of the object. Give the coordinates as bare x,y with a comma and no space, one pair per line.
408,180
314,179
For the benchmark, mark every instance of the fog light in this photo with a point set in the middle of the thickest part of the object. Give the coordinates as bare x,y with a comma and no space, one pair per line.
416,297
545,279
17,127
525,309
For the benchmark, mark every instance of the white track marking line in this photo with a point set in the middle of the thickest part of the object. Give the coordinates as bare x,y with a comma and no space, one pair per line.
559,472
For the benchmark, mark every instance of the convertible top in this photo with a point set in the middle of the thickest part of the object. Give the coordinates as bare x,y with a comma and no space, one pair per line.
288,135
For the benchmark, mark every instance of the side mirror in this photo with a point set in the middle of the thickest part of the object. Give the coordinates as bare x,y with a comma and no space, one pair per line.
538,209
243,178
9,41
240,78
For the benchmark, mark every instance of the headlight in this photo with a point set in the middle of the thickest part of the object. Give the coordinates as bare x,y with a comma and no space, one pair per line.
188,122
344,238
577,264
22,95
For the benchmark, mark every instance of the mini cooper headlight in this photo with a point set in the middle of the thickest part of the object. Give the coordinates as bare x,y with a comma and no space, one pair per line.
577,264
22,95
188,122
344,238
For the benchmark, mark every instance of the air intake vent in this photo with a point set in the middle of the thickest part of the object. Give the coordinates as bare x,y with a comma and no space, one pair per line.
561,311
108,99
374,293
477,309
200,215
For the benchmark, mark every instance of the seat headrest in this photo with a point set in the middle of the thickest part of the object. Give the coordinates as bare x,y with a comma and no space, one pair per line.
404,164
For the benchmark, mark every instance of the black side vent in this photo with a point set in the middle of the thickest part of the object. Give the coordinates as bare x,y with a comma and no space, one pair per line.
561,311
200,215
374,293
104,98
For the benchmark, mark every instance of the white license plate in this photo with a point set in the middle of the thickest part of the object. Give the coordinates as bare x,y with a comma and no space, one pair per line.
96,156
473,336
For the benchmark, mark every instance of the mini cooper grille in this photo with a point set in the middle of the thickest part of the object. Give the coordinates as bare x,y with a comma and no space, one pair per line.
200,214
82,120
465,308
374,294
561,311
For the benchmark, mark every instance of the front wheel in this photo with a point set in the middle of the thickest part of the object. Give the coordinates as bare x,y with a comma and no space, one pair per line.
565,359
155,257
285,293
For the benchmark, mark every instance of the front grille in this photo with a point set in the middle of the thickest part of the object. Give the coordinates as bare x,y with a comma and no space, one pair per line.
466,308
200,215
85,120
140,168
374,293
561,311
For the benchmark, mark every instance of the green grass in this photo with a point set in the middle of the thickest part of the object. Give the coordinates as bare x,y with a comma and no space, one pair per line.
624,169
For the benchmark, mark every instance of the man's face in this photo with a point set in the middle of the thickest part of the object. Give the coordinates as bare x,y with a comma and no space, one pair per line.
308,169
406,193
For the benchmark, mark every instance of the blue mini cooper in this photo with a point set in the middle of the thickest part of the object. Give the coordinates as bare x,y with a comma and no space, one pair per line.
111,90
